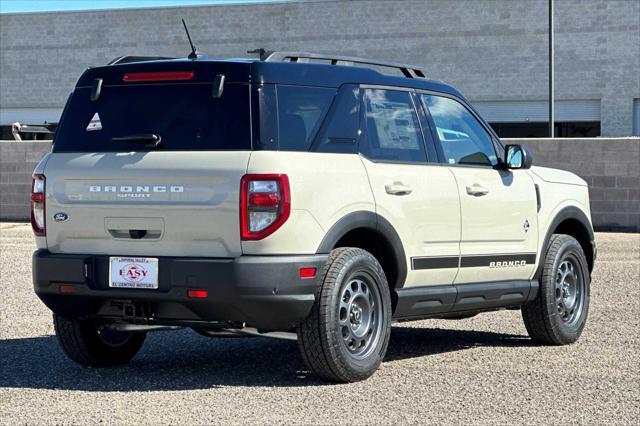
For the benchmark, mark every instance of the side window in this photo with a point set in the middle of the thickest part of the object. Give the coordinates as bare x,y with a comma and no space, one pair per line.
300,112
290,116
462,137
391,127
339,132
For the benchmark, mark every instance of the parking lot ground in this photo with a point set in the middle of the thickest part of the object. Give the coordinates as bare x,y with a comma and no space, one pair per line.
478,370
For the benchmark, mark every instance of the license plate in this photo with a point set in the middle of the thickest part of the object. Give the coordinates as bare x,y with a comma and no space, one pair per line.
133,272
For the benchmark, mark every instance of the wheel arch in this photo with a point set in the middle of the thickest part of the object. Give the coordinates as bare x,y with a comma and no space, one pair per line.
571,221
371,232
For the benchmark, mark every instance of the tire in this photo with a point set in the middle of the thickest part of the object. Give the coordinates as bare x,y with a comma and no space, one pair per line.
345,337
85,344
559,312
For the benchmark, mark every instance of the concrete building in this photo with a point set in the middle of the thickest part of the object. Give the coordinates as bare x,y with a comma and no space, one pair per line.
494,51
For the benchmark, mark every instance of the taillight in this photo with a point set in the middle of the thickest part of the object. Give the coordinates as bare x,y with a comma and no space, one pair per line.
38,205
265,204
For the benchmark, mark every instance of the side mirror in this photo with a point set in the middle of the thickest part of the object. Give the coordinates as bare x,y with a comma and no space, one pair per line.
517,157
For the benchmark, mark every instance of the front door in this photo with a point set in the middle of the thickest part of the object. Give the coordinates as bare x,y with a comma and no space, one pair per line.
499,231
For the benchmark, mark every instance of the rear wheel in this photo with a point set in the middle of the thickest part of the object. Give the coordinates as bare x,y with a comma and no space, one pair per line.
345,337
559,312
94,346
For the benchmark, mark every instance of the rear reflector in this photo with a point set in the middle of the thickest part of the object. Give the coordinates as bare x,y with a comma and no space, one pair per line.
198,294
157,76
67,289
307,272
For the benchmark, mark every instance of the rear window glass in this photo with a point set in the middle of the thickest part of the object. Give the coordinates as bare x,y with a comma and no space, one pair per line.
291,115
184,116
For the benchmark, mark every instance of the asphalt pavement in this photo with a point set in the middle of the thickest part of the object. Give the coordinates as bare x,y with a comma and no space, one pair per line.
474,371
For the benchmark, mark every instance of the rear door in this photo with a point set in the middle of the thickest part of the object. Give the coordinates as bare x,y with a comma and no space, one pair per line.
122,193
420,199
499,208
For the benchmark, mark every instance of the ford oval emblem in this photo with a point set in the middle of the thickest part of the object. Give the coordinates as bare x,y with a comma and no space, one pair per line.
60,217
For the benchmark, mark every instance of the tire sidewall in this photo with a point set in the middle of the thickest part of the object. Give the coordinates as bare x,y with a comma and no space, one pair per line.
362,264
566,333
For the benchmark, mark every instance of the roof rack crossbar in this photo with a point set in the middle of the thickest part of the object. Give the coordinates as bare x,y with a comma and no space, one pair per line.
408,71
130,58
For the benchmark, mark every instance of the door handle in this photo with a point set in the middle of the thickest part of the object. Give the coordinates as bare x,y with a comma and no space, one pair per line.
477,190
397,188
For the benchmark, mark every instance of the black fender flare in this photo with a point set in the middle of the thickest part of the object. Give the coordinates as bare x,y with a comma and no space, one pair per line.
374,222
569,212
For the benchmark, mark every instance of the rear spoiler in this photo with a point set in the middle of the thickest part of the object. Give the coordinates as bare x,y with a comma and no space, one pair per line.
203,71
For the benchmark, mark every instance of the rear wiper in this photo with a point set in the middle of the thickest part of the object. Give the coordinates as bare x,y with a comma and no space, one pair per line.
149,139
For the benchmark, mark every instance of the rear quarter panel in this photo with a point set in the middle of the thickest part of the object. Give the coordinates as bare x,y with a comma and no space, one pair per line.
324,188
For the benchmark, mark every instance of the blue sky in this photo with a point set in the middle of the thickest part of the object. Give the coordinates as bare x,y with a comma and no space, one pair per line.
12,6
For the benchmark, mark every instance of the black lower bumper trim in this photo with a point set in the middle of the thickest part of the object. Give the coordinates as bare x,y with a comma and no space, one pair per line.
265,292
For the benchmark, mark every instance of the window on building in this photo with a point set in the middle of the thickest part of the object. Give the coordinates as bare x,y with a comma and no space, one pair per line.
571,129
574,118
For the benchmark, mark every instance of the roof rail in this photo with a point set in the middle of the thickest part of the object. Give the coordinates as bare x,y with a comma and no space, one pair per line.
408,71
128,59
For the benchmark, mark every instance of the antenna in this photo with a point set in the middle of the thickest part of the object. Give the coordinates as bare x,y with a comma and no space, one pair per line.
261,52
194,52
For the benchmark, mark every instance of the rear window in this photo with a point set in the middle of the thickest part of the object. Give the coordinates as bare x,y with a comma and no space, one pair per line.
184,116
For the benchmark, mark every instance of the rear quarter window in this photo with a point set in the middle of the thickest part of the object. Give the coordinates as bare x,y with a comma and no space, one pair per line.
290,116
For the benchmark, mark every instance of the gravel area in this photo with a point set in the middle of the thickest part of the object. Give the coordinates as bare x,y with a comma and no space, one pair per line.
478,370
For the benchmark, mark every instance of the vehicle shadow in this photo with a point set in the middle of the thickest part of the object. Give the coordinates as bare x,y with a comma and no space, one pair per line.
183,360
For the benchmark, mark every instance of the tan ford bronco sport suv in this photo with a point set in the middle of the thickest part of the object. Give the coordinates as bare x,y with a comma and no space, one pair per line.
301,193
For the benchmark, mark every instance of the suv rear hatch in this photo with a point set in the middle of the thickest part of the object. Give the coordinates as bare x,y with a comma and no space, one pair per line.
120,193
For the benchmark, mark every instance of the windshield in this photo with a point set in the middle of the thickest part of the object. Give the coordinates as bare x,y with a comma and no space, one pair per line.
183,116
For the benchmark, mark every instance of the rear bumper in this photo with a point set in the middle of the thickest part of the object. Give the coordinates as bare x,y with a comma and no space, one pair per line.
264,292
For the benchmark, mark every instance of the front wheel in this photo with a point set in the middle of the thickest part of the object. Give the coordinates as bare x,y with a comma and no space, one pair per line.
345,337
90,345
559,312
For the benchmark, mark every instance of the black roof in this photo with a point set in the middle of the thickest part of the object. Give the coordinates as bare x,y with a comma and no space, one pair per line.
336,75
255,70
